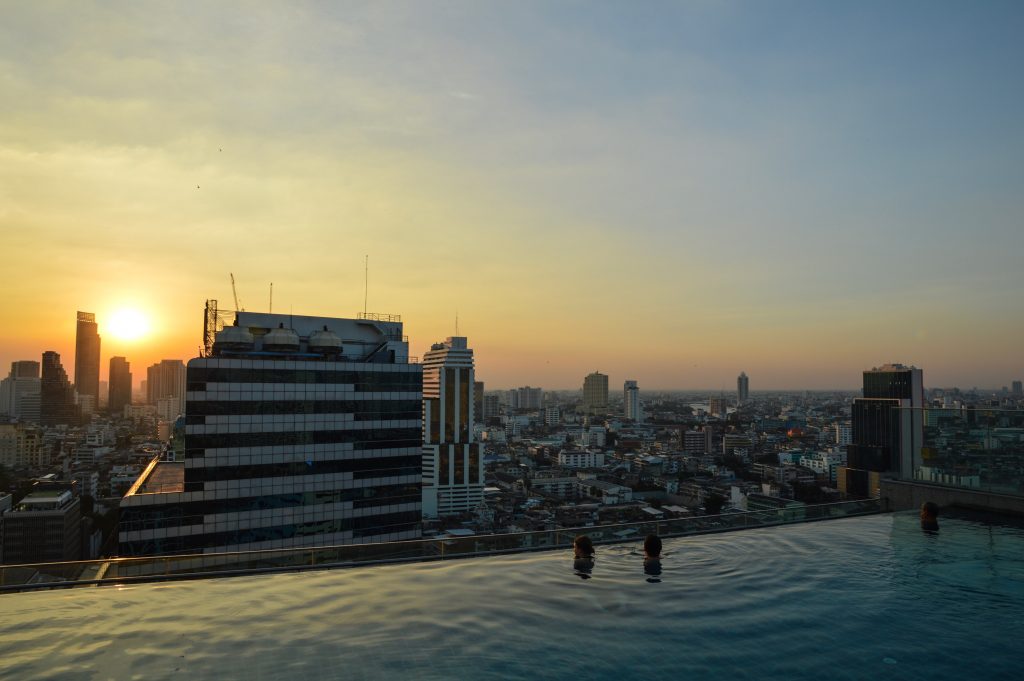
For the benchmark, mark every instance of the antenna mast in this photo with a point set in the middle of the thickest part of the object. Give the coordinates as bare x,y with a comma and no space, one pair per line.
271,297
366,283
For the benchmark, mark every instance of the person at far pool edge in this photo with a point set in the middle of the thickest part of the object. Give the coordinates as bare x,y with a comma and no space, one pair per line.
929,516
652,557
583,558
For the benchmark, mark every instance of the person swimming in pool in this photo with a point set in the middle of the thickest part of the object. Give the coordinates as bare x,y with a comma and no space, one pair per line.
930,516
583,556
652,557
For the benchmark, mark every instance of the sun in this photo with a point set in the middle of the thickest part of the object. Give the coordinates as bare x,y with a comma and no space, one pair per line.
128,324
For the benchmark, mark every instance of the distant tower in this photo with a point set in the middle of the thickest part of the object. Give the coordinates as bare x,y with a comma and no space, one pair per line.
453,469
120,385
742,387
165,388
87,357
888,429
526,398
595,392
631,400
1018,388
56,395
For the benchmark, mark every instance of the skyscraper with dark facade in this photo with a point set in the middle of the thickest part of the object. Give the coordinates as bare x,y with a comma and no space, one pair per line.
299,431
478,401
120,382
887,429
56,394
87,357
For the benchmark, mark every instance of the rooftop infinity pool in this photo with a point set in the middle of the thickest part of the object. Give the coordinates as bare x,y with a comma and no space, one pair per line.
860,598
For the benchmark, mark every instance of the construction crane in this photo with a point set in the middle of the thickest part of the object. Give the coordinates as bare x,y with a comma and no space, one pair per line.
234,292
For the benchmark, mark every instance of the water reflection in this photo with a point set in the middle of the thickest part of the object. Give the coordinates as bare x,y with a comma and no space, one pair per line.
652,569
583,567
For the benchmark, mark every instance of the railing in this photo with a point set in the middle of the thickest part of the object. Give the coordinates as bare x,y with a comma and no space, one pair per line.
157,568
379,317
971,448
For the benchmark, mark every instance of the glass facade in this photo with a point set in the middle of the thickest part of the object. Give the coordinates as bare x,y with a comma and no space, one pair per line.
287,447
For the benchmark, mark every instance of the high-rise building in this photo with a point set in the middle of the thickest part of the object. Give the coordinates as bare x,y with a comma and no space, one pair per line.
887,429
478,401
120,385
87,357
57,403
165,388
165,379
453,469
492,407
526,398
299,431
19,392
631,402
1018,388
595,392
742,387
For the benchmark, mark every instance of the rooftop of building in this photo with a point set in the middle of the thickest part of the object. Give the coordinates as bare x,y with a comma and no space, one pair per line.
159,477
167,476
894,366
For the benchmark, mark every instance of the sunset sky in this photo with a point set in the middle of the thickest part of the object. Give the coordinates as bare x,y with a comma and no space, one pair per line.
666,192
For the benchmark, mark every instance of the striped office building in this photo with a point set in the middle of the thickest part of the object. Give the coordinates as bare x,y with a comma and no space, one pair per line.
299,431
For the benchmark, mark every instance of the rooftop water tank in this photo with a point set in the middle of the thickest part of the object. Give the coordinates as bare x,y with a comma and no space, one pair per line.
325,342
281,340
233,339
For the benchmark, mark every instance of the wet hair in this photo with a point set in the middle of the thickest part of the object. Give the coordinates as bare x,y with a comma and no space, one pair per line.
583,545
930,509
652,545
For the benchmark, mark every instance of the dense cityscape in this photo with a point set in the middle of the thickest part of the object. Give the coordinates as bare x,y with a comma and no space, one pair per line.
564,340
298,431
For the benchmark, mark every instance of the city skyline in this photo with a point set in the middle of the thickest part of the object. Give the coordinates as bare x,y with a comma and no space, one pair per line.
138,344
669,194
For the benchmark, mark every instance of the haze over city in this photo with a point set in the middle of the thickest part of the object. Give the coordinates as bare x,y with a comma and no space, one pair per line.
671,193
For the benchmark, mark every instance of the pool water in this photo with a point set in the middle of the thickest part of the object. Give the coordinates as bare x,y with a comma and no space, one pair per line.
860,598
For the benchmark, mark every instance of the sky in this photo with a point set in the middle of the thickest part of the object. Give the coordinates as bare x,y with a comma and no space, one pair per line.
666,192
